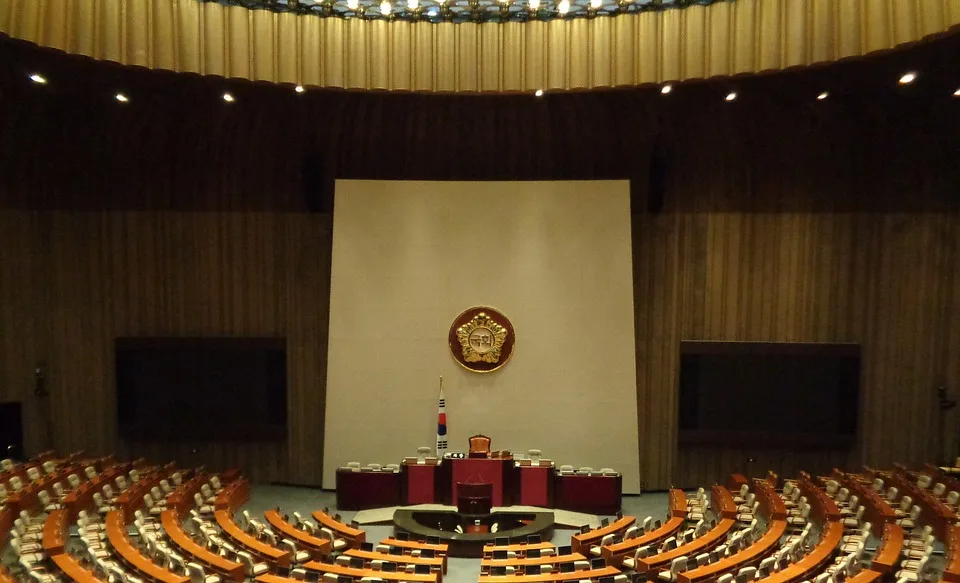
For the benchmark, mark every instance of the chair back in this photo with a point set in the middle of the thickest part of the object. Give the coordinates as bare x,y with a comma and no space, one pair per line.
479,446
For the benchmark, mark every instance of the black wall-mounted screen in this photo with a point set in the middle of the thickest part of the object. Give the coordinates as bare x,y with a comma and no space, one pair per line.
201,388
769,394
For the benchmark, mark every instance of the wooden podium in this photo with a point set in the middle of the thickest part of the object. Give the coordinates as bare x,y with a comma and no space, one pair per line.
474,498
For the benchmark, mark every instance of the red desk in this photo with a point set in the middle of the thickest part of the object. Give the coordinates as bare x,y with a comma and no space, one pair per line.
592,494
420,483
536,486
495,471
360,490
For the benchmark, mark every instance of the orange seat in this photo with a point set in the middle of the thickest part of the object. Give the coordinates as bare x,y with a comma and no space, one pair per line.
479,446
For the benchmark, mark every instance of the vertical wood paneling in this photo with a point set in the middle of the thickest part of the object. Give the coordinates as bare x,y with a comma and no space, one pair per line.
115,274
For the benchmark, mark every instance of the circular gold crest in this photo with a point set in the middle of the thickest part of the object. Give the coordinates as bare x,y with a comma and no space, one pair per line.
481,339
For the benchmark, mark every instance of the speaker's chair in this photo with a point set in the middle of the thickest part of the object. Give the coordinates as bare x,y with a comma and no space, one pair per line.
479,446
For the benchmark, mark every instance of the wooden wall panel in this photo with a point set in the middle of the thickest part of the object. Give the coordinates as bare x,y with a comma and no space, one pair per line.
82,279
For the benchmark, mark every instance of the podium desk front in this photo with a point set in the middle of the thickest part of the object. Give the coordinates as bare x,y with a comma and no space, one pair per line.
420,482
497,471
362,490
589,493
536,485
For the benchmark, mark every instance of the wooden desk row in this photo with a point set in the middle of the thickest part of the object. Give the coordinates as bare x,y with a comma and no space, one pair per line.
131,499
56,529
229,570
233,495
771,504
592,574
702,544
822,507
616,553
951,572
27,498
582,542
932,511
7,515
82,497
877,511
181,499
439,549
353,536
361,573
519,548
73,570
436,564
318,547
813,561
552,560
117,535
887,557
750,556
265,552
722,503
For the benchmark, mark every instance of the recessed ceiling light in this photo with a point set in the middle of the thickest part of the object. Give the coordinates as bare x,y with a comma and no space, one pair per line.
596,4
432,12
563,7
353,4
666,89
37,78
385,8
228,97
534,5
413,4
299,89
908,78
539,93
121,98
731,96
823,96
956,93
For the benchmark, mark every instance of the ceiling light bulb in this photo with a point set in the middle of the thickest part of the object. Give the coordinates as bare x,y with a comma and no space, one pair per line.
228,97
563,7
299,89
36,78
908,78
731,96
385,8
538,93
666,89
413,4
596,4
823,96
432,12
353,4
121,98
534,5
956,93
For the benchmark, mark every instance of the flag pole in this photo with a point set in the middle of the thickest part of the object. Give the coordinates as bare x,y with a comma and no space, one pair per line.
441,423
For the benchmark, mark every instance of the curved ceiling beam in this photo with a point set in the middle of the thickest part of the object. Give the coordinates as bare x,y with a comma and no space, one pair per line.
726,38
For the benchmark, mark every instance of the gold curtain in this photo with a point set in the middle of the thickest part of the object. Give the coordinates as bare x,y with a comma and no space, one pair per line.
727,38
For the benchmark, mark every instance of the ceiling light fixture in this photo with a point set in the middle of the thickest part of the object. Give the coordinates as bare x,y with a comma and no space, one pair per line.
596,4
353,4
385,8
228,97
563,7
37,78
121,98
666,89
823,96
299,89
534,5
413,4
731,96
538,93
908,78
956,93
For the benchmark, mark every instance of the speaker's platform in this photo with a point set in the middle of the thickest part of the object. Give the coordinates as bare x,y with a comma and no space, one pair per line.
466,534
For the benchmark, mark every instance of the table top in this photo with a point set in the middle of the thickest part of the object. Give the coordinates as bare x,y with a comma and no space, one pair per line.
72,569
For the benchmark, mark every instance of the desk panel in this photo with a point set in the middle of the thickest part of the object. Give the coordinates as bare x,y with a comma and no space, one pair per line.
537,486
496,471
591,494
358,574
353,536
750,556
887,557
582,542
362,490
706,542
436,564
548,577
409,545
117,535
73,571
420,483
813,561
617,553
56,529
